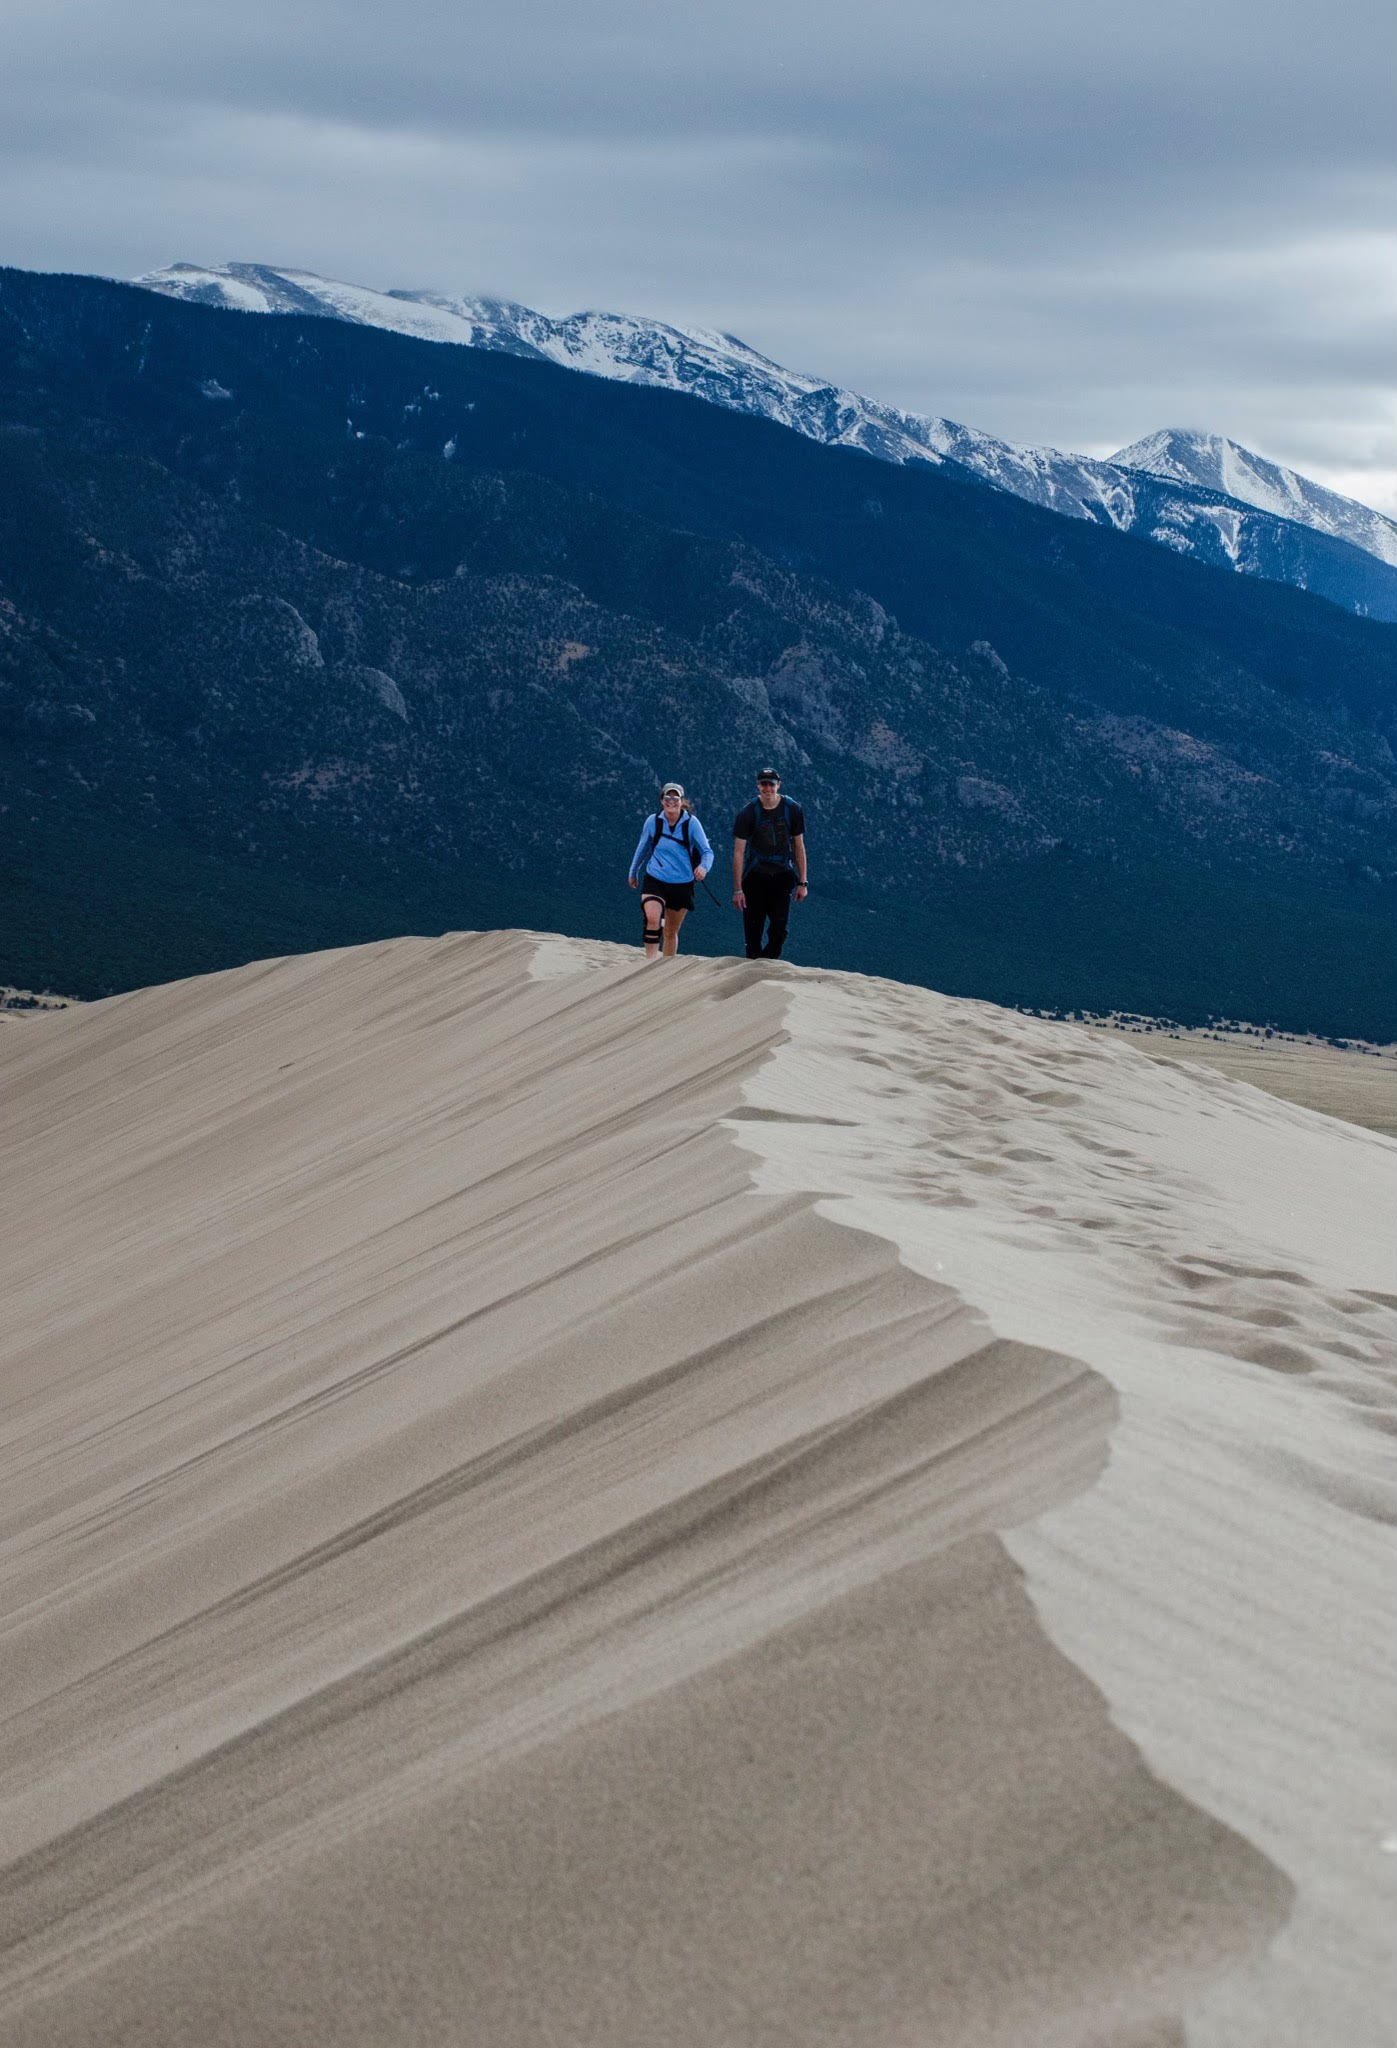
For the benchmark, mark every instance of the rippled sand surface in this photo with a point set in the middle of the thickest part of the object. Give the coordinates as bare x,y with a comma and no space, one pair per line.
545,1500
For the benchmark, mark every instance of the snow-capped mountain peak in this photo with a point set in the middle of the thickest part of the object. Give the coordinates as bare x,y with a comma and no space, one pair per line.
1199,494
1219,464
711,365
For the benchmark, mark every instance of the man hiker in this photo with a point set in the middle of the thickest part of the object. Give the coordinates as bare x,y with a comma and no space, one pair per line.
768,866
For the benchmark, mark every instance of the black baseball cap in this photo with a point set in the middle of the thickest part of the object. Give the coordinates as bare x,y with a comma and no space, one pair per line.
768,775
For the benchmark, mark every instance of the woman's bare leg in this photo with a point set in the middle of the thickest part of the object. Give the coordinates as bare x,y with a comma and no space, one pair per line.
673,920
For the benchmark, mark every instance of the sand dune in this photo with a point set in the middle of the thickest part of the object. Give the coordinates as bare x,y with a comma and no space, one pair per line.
553,1501
1358,1085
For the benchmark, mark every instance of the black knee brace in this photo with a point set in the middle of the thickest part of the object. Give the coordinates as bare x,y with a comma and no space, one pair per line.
652,935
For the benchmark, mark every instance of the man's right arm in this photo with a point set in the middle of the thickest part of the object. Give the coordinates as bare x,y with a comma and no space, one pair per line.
739,855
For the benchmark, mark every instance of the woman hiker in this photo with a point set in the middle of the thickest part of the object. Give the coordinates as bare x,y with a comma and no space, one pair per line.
672,852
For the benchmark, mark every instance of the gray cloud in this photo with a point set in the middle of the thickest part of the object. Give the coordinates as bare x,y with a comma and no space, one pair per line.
1068,224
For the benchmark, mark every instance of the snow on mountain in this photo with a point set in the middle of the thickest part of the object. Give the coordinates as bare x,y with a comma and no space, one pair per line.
1199,494
1235,472
717,367
708,365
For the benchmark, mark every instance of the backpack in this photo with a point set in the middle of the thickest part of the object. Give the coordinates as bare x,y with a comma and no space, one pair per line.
770,844
681,832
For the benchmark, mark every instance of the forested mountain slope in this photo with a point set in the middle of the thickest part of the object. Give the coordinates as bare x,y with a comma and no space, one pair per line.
309,631
1199,494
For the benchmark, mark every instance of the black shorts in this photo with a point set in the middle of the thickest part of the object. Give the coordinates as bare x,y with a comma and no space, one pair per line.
676,895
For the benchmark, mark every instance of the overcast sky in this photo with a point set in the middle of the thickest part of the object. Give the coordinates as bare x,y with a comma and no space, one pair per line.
1064,221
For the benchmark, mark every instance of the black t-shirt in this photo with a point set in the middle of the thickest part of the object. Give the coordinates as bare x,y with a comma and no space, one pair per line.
769,833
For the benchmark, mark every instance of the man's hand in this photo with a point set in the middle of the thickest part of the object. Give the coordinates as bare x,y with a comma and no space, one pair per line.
739,899
801,892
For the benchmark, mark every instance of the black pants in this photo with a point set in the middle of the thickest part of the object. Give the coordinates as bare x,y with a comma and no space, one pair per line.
768,900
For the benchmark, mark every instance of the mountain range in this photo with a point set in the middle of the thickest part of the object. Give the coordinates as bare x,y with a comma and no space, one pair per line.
1199,494
312,632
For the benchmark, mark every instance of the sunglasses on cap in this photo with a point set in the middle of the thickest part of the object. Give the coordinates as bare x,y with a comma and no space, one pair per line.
768,782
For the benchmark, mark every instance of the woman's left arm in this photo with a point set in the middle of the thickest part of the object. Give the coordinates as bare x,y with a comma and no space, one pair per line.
705,850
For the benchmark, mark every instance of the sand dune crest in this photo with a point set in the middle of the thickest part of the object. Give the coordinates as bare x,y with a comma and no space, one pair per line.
488,1558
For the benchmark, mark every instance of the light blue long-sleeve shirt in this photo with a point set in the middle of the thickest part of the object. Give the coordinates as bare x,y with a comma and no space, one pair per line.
670,861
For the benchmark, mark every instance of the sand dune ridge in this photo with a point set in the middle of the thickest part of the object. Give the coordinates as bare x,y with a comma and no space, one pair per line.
504,1531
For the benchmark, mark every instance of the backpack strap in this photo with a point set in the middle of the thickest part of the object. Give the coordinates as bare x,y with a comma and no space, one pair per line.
681,833
782,810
